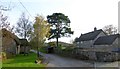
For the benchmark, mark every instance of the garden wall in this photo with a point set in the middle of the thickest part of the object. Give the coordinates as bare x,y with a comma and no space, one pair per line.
89,55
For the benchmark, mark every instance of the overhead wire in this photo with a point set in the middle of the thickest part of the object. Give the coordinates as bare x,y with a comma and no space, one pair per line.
25,8
9,7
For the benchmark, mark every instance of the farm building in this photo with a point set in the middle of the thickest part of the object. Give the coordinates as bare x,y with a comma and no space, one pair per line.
10,43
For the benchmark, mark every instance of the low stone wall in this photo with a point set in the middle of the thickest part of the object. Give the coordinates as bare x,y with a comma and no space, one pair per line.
90,55
101,56
107,56
72,54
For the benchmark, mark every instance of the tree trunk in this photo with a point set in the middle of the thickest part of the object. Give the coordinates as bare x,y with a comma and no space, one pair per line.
24,50
26,44
38,46
57,34
57,41
37,52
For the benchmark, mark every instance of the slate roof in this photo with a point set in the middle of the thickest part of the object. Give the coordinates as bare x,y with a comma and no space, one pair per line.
24,42
89,36
7,33
116,50
76,39
106,40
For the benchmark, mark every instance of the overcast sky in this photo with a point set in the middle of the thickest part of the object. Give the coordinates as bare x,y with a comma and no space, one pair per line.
84,14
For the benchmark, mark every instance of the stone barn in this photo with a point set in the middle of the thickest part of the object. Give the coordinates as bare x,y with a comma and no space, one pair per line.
10,43
24,46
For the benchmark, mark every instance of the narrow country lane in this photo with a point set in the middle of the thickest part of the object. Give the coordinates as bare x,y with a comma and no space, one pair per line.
58,61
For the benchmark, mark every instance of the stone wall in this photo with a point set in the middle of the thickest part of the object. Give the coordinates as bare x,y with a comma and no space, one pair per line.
26,49
107,56
9,46
86,44
90,55
75,53
101,56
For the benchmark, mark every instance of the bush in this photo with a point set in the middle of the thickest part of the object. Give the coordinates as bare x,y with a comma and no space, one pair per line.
43,49
52,44
3,54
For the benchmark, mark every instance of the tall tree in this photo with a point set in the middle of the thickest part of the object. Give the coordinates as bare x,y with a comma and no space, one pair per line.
110,29
24,27
60,26
4,23
41,31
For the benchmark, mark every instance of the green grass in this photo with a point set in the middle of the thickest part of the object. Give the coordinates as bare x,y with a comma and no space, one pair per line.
0,64
22,61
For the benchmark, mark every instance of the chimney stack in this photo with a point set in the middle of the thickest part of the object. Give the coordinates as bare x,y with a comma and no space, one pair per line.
95,29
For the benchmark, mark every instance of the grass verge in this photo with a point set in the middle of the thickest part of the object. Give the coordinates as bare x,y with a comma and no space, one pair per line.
22,61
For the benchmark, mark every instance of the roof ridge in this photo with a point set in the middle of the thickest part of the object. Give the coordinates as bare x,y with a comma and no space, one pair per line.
108,39
92,31
90,35
111,35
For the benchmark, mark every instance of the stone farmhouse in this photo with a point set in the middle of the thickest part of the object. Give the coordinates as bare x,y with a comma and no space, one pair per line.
87,40
96,45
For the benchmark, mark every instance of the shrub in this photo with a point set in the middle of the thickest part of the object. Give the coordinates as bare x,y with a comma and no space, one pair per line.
43,49
52,44
3,54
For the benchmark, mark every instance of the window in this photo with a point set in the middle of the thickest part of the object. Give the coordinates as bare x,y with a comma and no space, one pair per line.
77,42
81,42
